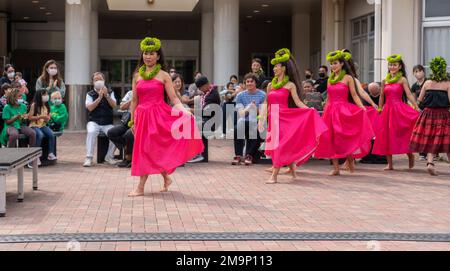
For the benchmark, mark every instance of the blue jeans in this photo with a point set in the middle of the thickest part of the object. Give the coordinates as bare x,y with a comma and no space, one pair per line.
47,132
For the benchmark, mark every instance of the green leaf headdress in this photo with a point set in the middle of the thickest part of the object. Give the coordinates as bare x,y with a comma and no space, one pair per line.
281,56
150,45
335,55
347,56
438,67
394,58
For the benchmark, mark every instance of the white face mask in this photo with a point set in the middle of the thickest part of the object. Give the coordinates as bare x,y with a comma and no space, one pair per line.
52,72
11,75
45,98
99,84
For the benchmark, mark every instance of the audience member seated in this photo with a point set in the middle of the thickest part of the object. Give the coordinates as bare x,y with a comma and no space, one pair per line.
100,102
246,131
121,135
313,98
14,116
39,116
58,112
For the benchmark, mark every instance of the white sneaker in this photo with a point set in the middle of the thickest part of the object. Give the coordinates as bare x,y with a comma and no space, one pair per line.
30,164
197,159
88,162
52,157
110,160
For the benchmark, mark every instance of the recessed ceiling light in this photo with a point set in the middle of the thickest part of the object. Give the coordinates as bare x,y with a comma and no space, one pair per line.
149,19
256,11
268,21
249,16
35,2
26,18
48,13
42,8
264,5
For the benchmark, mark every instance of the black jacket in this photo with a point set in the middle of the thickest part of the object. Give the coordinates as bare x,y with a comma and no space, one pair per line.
103,114
212,98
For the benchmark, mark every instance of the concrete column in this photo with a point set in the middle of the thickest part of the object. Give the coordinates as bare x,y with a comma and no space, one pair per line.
3,34
301,41
226,40
401,32
378,45
207,45
332,26
77,60
94,42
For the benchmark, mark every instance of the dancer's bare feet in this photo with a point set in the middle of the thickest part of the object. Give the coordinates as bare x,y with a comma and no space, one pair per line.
272,180
167,183
270,170
431,170
138,192
351,166
288,171
411,161
335,172
389,167
345,166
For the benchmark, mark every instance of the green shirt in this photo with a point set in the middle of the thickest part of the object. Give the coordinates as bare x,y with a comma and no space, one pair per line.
59,114
8,113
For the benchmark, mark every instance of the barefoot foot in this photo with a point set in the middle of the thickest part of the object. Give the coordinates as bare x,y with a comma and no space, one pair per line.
270,170
411,162
138,192
389,168
167,183
272,180
334,172
431,170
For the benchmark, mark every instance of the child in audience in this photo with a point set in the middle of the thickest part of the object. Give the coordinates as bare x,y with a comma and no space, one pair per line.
58,112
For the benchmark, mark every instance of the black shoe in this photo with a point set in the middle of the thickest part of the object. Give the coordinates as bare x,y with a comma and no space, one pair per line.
124,164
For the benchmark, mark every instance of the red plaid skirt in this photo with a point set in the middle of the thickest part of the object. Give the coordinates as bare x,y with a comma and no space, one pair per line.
432,132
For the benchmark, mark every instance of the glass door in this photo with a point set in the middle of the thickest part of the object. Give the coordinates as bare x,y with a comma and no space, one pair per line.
185,66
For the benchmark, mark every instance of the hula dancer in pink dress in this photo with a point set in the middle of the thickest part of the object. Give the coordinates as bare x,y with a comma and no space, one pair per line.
431,133
159,146
397,119
349,132
294,129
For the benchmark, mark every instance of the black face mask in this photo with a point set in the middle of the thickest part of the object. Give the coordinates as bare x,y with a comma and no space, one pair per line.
308,76
322,74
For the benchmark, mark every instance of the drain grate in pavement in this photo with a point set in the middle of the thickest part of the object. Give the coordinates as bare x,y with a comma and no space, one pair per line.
225,236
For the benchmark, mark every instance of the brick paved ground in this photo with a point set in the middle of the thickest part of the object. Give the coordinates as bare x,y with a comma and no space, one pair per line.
217,197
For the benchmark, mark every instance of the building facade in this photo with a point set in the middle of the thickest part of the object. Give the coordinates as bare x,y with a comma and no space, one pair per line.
217,37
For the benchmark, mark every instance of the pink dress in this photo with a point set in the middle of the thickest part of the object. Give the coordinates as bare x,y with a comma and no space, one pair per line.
349,132
396,123
374,116
293,133
161,144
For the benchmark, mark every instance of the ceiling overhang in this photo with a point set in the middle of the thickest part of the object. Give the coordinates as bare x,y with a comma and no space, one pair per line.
152,5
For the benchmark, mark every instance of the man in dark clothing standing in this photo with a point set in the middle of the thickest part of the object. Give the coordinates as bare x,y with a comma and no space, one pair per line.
321,83
208,100
259,72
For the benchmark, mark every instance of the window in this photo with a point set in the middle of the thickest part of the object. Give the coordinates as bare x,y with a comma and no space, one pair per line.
118,73
363,31
436,30
436,9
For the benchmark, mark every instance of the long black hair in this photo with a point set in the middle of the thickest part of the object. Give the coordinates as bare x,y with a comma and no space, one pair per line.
38,103
292,71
